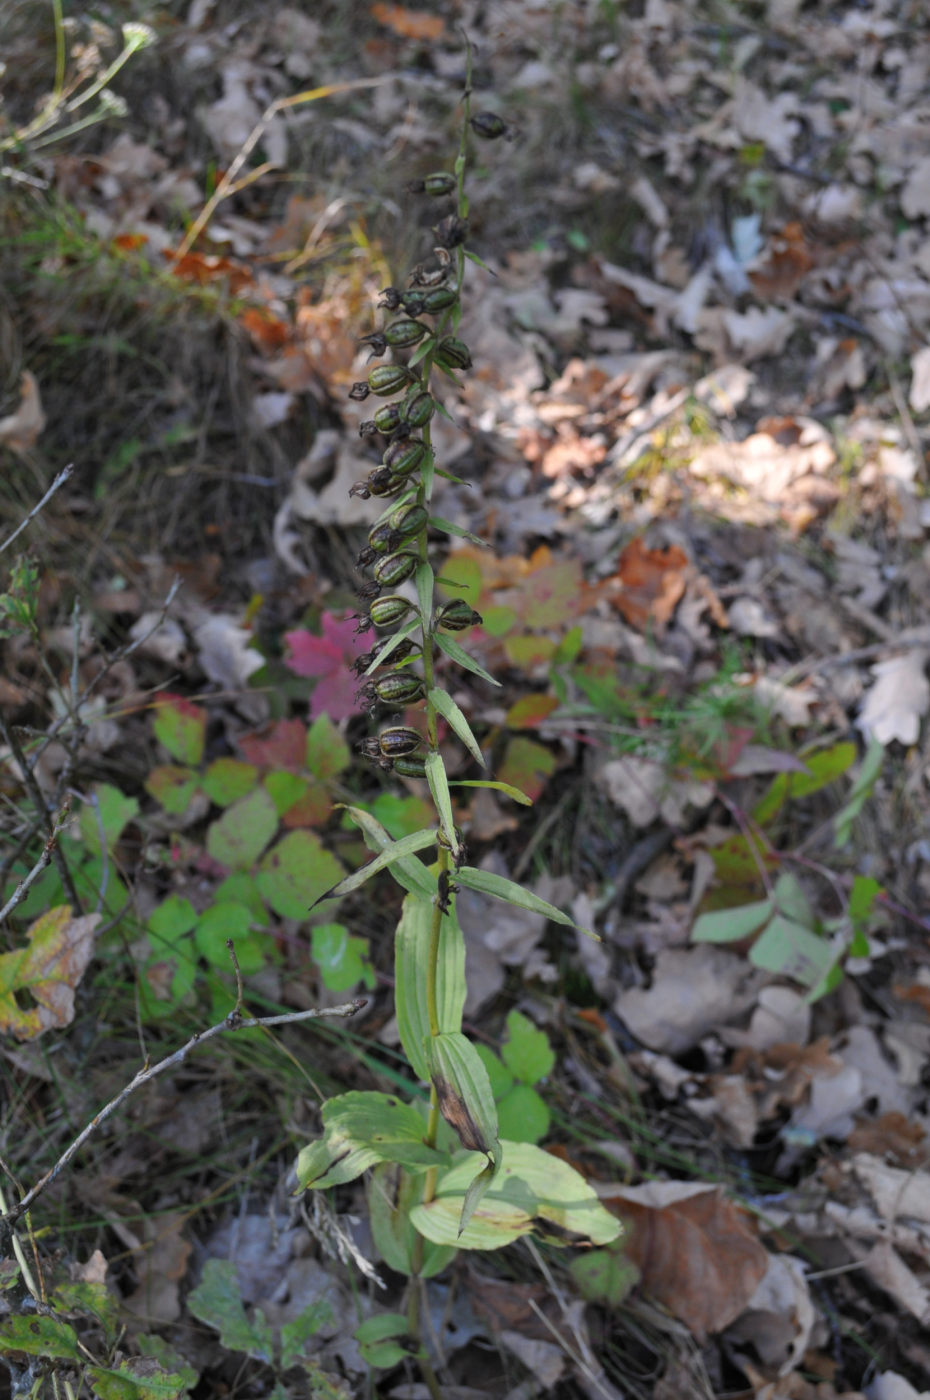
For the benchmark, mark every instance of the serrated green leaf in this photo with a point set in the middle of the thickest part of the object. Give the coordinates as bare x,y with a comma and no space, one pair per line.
327,754
439,787
238,837
389,855
181,726
411,874
533,1193
460,656
527,1052
506,788
134,1379
360,1129
484,882
172,787
228,779
296,873
217,1301
730,925
295,1335
792,950
523,1114
39,1336
604,1276
106,816
411,959
446,706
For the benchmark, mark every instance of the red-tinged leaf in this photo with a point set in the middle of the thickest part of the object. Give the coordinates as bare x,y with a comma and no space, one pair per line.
204,268
181,726
172,787
284,745
47,969
409,24
531,711
285,789
526,766
696,1252
328,754
313,809
329,658
651,584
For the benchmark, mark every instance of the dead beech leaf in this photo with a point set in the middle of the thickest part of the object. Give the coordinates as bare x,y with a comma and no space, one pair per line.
779,1317
48,969
409,24
19,431
694,990
652,582
695,1251
899,698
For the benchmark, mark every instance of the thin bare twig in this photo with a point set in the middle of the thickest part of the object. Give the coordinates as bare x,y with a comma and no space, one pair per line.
22,889
235,1021
60,480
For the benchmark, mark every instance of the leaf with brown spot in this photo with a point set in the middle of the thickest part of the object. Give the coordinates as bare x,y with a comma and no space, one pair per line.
695,1250
48,969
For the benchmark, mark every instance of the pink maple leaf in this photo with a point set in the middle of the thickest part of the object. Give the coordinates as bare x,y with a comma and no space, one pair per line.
329,658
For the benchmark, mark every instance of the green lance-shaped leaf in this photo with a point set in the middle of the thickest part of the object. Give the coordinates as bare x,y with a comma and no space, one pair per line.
439,787
460,656
411,874
390,855
506,788
533,1193
359,1130
411,960
450,528
393,641
463,1091
424,582
450,712
484,882
729,925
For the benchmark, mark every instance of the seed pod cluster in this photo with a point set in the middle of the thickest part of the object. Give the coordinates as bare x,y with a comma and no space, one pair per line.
397,542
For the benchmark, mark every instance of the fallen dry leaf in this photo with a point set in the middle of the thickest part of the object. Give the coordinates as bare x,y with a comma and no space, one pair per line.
694,990
409,24
897,701
779,1317
19,431
47,969
651,584
695,1251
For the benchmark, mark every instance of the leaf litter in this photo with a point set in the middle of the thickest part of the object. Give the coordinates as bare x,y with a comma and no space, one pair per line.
686,433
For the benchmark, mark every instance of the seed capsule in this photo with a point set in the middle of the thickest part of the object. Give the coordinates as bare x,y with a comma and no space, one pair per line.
383,539
454,354
404,332
423,276
408,520
440,183
388,417
399,688
386,380
489,125
387,612
451,231
437,299
368,591
390,298
378,342
359,392
410,766
396,568
456,615
417,408
402,458
398,653
384,483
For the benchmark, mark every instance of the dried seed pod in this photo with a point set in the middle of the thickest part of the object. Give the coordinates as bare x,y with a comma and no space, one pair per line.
396,568
453,353
399,741
451,231
402,458
365,557
390,298
417,408
383,539
399,688
368,428
378,342
360,488
408,520
368,591
423,276
387,612
359,392
410,766
440,183
386,380
489,125
404,332
456,615
384,483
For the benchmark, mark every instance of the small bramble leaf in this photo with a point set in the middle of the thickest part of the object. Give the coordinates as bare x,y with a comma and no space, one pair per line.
389,855
439,787
181,726
328,754
530,711
228,779
506,788
285,789
217,1301
228,919
341,957
296,873
527,1052
523,1114
172,787
238,837
485,882
107,815
461,657
375,1337
450,712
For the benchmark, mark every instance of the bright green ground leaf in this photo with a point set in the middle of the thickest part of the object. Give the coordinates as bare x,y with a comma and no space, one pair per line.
360,1129
108,815
172,787
217,1301
523,1115
295,873
238,837
527,1052
730,925
285,789
227,919
341,957
402,815
604,1276
228,779
865,780
39,1336
170,921
533,1193
328,754
791,950
383,1340
499,1075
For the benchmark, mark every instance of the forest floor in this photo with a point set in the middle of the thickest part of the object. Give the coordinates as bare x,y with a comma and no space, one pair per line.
696,437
